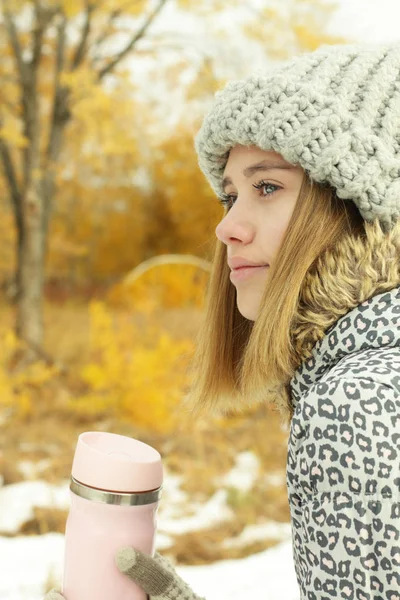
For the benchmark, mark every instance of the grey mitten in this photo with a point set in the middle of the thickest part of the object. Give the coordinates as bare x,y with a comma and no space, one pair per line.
155,575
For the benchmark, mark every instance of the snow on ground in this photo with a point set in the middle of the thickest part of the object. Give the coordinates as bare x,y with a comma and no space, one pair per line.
18,499
28,561
244,473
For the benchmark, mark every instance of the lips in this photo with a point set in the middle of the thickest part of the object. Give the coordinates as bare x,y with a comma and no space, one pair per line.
242,273
239,262
248,267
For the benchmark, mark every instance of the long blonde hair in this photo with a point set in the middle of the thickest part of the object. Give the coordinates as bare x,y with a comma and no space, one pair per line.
238,361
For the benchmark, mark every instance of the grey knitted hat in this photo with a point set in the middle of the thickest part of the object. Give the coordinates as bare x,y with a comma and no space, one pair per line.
335,112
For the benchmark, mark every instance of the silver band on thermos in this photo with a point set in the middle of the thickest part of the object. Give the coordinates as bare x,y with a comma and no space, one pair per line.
118,498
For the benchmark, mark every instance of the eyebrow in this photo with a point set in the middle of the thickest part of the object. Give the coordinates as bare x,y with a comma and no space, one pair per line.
264,165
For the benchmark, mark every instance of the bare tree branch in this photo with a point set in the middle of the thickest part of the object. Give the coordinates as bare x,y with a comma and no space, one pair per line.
60,50
10,174
37,41
59,114
81,48
105,33
15,43
108,68
27,96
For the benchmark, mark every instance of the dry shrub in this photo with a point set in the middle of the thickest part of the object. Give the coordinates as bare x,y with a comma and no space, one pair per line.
199,453
206,449
206,545
10,472
45,520
202,453
260,502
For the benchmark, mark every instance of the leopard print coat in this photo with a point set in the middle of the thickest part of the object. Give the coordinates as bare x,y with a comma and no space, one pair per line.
343,461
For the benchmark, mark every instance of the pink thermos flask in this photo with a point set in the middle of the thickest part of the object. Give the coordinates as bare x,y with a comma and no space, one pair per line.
116,484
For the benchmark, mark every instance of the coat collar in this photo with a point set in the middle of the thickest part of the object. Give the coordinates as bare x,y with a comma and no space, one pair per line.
375,323
356,282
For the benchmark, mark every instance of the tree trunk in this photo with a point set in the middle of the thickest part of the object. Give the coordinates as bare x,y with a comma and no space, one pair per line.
31,259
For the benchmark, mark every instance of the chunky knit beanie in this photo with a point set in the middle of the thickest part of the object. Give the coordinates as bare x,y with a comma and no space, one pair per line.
335,112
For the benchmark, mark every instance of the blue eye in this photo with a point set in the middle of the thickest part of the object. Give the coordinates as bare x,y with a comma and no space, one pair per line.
224,199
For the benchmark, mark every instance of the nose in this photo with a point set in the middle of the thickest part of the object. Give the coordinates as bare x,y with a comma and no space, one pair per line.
235,226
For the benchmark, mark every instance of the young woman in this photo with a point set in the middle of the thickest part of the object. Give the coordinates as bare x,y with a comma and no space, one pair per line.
306,160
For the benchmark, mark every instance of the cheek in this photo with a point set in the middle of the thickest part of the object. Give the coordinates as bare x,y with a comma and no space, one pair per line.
273,234
279,222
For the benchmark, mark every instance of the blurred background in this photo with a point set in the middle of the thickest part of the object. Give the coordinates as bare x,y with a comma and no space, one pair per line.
107,230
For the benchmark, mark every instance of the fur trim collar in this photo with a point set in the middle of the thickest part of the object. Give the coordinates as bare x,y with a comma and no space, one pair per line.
340,280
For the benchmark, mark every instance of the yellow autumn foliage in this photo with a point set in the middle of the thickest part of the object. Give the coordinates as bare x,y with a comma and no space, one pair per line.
133,371
10,132
128,376
165,286
301,25
18,388
139,379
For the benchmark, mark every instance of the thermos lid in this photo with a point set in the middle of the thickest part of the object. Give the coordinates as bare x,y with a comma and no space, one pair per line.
116,463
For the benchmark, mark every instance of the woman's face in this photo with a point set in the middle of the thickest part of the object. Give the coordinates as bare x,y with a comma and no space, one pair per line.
258,216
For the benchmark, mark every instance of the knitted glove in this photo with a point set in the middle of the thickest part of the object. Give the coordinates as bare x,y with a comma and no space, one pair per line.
155,575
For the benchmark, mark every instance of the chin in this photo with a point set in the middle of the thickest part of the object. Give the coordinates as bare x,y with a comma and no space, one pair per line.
247,314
